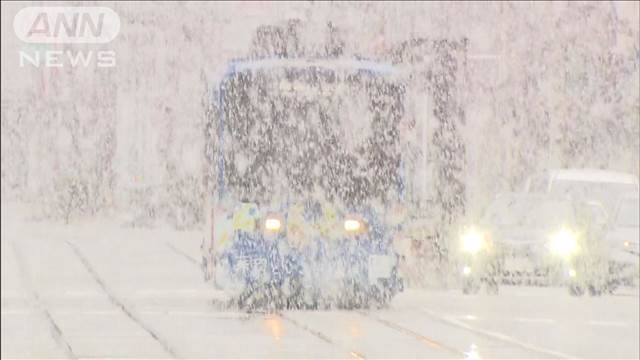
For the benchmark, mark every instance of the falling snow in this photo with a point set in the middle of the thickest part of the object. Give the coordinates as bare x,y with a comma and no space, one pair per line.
339,174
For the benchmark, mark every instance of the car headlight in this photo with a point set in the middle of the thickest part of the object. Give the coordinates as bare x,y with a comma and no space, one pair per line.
272,223
473,241
352,225
564,243
466,271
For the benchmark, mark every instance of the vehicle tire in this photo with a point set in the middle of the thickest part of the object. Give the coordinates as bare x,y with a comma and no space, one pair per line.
613,285
294,296
353,297
492,287
382,296
576,290
470,287
595,290
310,299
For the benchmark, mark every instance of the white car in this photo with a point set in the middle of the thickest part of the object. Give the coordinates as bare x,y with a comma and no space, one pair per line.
602,186
623,238
535,238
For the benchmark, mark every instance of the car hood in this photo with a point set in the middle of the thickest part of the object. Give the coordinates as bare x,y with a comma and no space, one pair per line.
520,235
624,238
520,240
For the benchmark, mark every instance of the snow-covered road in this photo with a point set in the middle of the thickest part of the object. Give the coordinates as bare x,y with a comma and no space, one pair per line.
100,290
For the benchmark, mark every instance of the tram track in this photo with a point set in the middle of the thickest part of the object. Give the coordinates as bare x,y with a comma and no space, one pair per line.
118,303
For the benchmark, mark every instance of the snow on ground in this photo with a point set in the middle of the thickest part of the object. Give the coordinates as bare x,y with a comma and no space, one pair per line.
97,289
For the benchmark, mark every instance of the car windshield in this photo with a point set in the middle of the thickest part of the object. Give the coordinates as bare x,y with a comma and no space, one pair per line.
506,211
305,130
550,213
628,213
603,192
532,212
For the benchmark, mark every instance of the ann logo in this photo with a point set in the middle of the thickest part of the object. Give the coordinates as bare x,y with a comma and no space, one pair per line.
74,25
66,25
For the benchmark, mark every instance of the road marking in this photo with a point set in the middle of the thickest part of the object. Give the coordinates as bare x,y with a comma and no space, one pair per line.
83,334
535,320
226,315
607,323
523,294
406,331
9,294
221,315
16,312
166,291
186,293
83,293
465,317
85,312
495,335
100,312
152,312
183,294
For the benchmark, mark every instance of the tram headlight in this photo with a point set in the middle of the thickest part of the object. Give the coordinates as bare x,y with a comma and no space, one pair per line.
352,225
272,223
